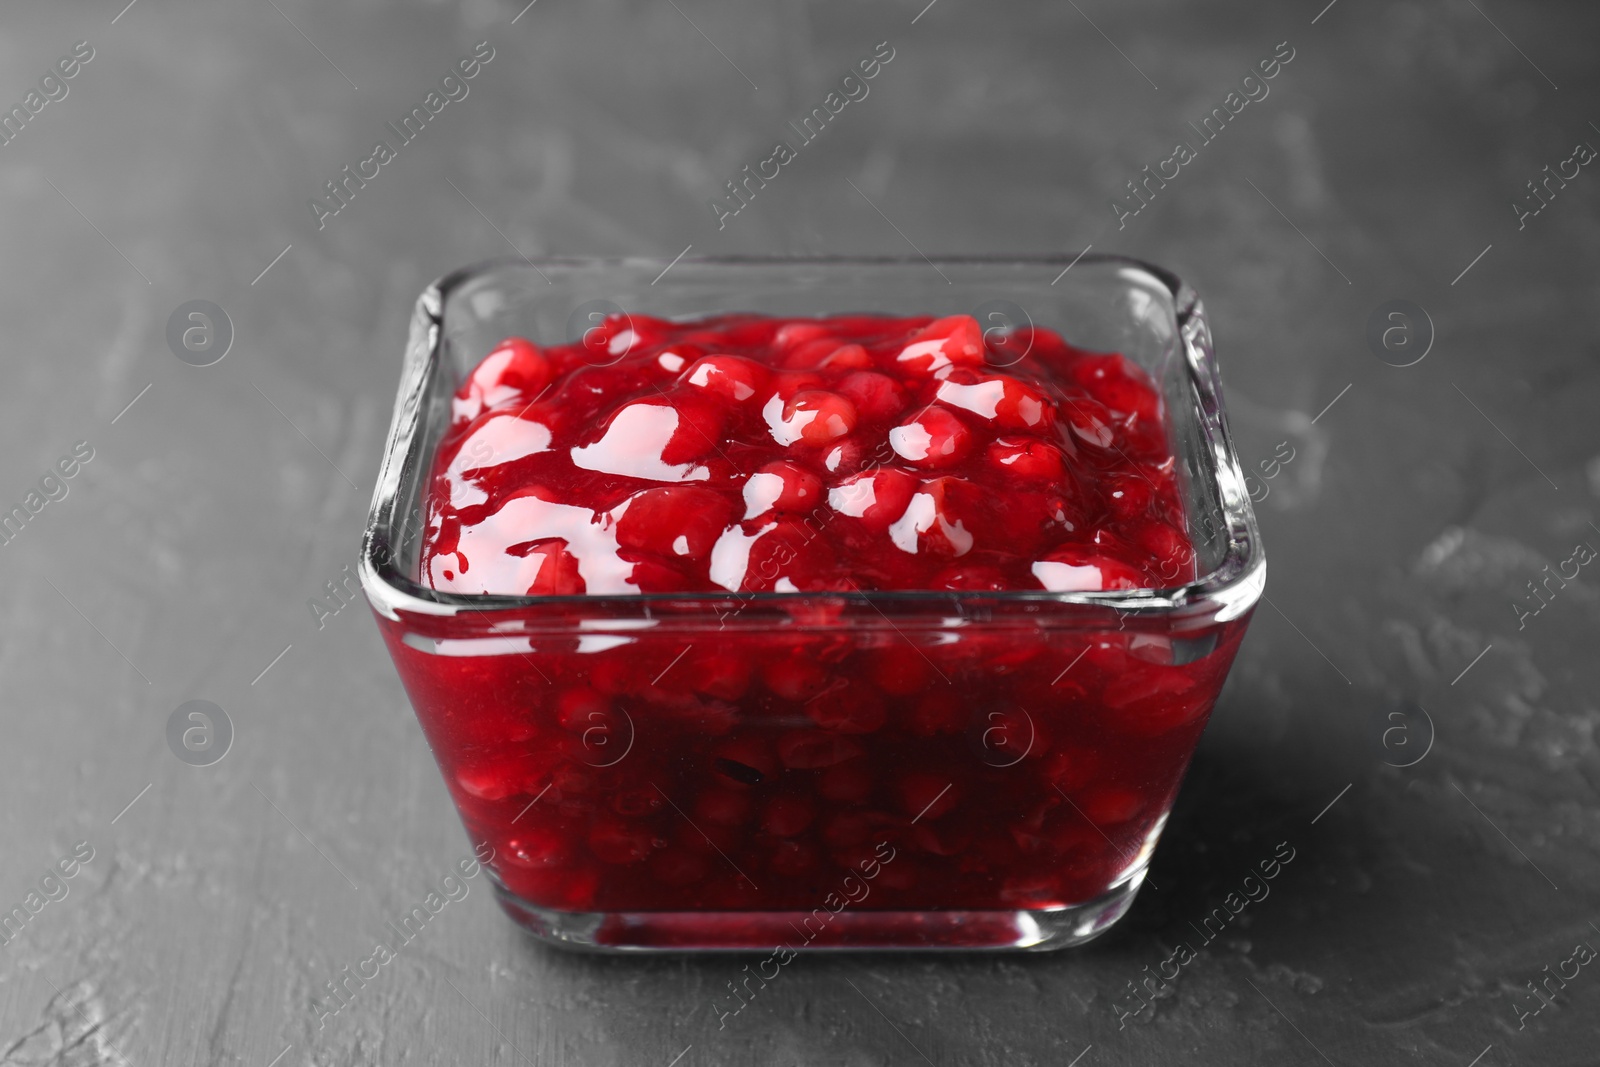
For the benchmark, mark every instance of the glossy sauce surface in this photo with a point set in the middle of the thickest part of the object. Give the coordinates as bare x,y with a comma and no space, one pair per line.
755,454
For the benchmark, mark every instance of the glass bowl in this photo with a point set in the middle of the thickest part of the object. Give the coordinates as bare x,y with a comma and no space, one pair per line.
1023,749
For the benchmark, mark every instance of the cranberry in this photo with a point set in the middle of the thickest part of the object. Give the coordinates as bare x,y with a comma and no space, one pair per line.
795,678
877,397
782,485
1171,554
1128,497
1028,459
580,707
1073,570
812,416
537,849
678,868
848,357
514,371
877,498
787,816
927,796
722,807
1008,403
729,377
679,520
951,342
939,711
937,521
849,709
1111,804
718,672
615,841
934,439
901,669
1117,384
792,859
791,335
1091,424
849,782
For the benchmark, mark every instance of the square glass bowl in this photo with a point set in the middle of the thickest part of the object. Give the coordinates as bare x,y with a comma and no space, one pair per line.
1026,746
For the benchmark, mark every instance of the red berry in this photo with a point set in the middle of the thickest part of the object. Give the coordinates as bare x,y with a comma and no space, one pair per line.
849,709
925,796
723,673
1172,556
722,807
787,816
847,357
654,440
900,668
1119,384
1006,402
933,439
675,521
791,859
1028,459
877,397
877,498
795,677
849,782
676,867
514,371
782,485
810,416
1089,422
951,342
732,378
1127,497
940,520
786,556
577,708
1076,570
535,849
939,711
792,335
1110,804
618,842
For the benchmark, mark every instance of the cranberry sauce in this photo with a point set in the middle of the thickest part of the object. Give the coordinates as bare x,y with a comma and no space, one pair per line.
635,767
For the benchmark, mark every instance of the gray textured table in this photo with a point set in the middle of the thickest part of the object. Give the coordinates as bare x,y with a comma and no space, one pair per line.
178,163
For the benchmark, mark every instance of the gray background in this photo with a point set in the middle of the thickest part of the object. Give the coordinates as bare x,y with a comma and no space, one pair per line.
180,564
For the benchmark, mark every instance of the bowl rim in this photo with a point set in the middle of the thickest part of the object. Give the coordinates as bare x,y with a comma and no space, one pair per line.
1230,590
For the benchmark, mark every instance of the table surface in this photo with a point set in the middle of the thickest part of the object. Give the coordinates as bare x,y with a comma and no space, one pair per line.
1383,164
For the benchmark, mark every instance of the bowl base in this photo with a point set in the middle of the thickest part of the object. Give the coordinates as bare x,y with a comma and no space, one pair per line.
862,930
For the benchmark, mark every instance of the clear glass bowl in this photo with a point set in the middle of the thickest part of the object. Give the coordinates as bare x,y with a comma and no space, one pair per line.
1043,735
